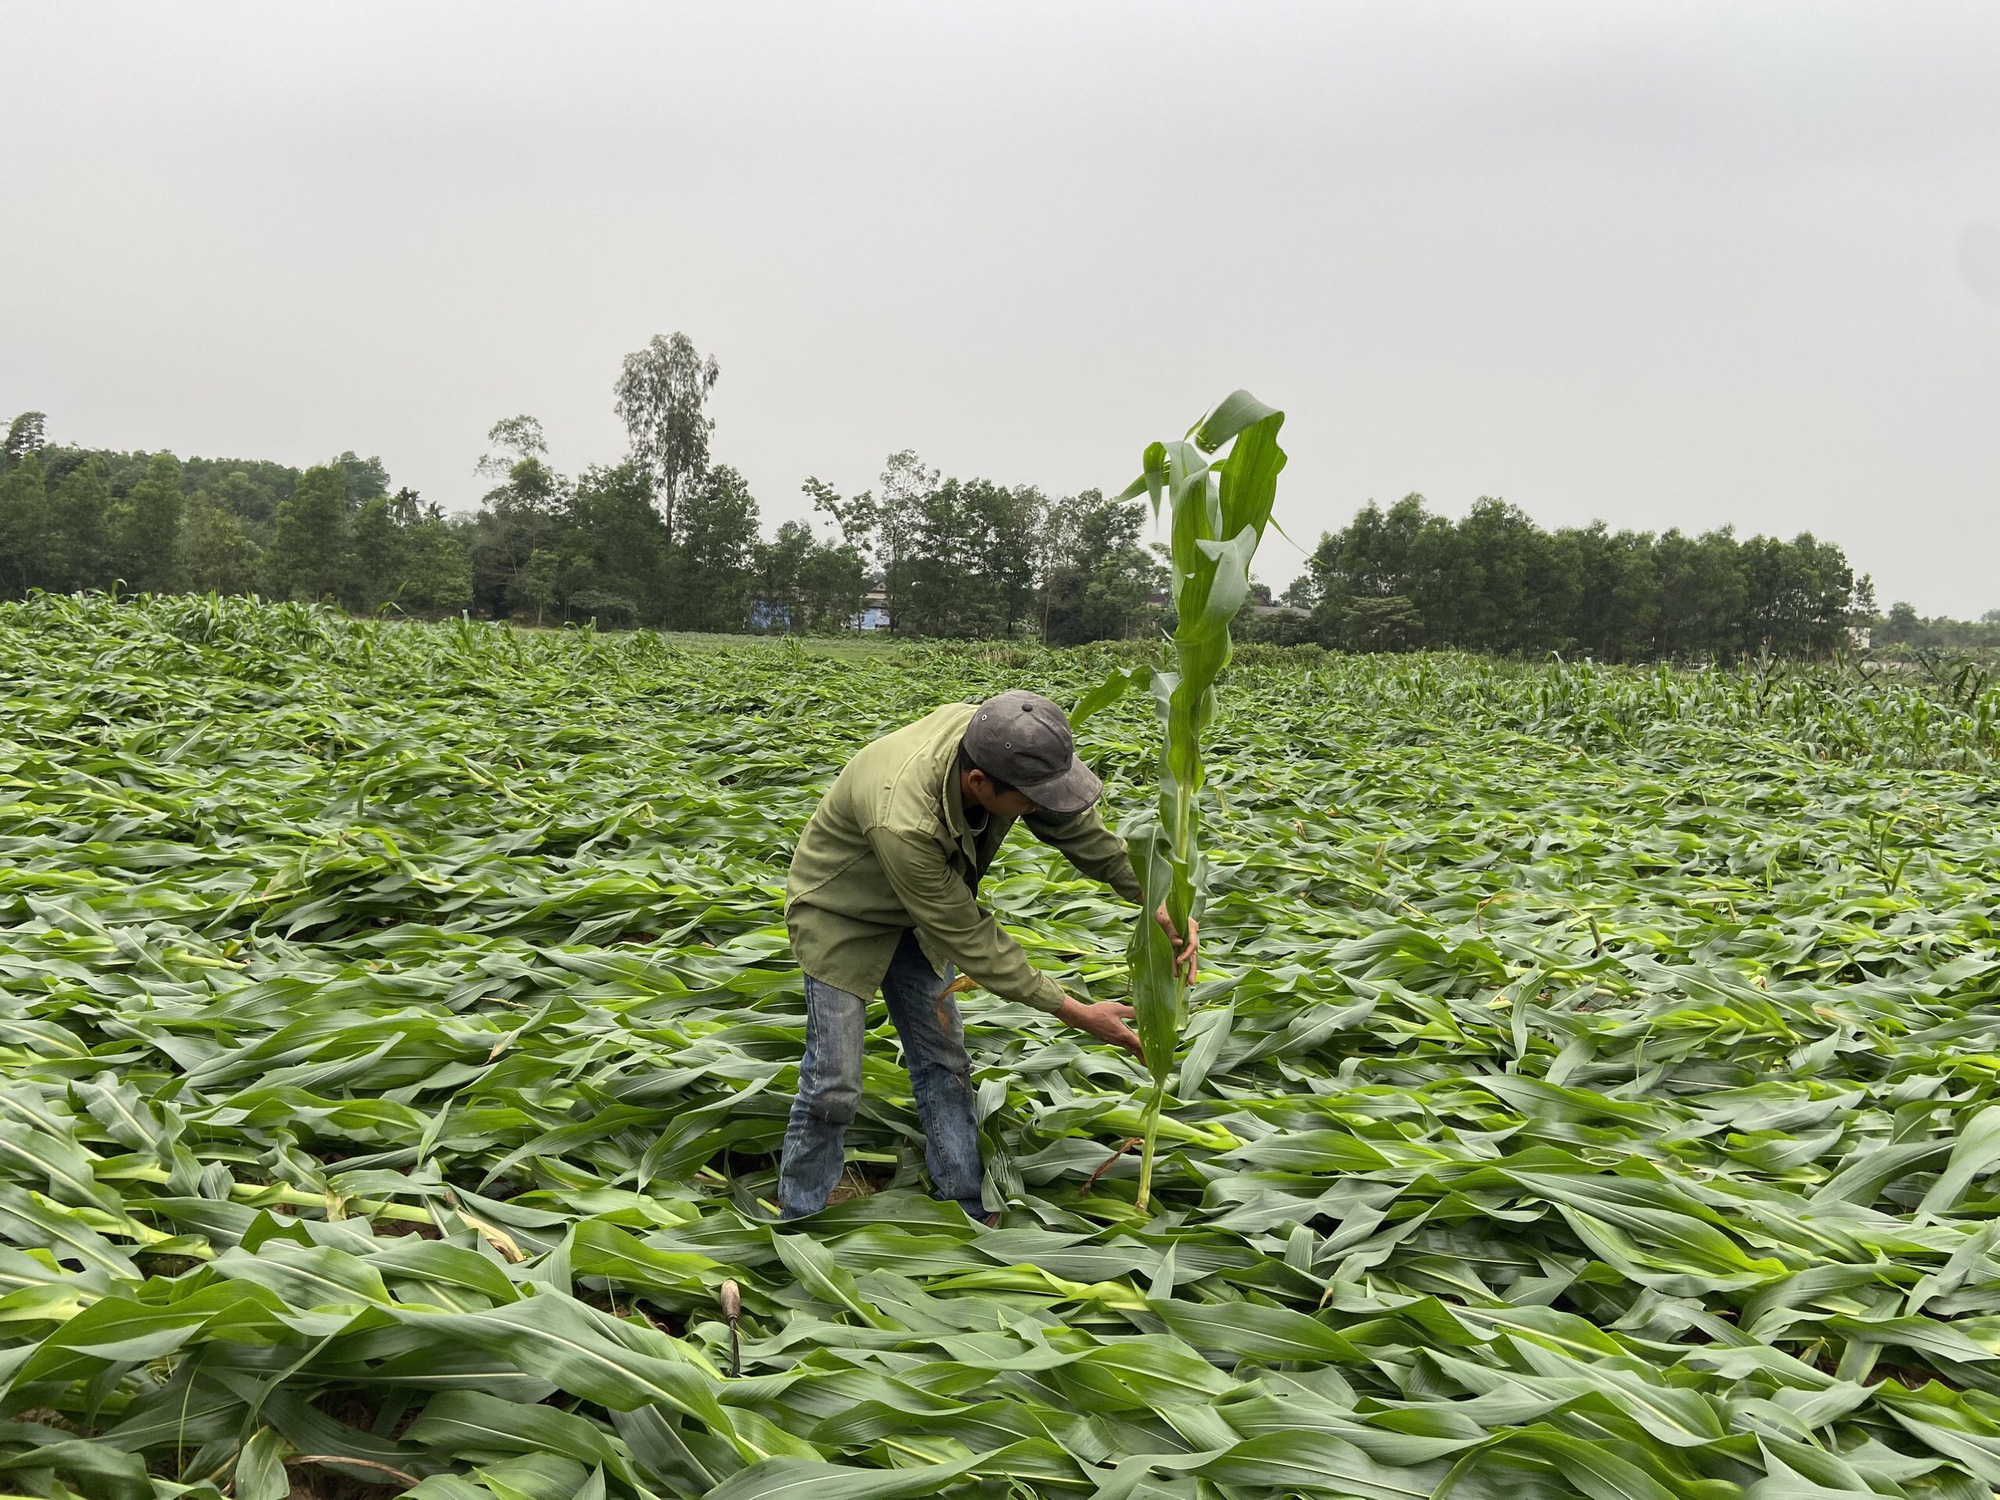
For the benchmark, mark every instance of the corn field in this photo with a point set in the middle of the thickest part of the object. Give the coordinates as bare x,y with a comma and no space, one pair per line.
1590,1088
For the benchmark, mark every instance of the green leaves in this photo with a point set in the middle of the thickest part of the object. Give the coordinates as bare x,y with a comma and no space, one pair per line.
398,1031
1248,1330
260,1468
1217,516
799,1479
1158,995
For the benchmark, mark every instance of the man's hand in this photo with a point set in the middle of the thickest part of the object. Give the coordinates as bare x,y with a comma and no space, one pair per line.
1187,955
1105,1020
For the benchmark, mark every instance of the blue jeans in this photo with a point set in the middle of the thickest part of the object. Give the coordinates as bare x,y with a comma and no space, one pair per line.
830,1085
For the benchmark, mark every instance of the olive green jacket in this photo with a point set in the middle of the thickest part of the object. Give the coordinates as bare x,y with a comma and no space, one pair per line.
890,848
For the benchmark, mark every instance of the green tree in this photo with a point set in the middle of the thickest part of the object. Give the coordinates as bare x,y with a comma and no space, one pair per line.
26,436
81,550
526,514
253,498
1702,594
1798,595
779,563
1005,525
715,553
436,569
376,547
1382,622
150,523
831,579
25,526
833,576
309,555
663,392
803,585
907,485
1396,579
962,553
1096,575
515,438
215,554
1607,566
857,517
365,478
625,542
1902,627
1502,539
544,581
938,590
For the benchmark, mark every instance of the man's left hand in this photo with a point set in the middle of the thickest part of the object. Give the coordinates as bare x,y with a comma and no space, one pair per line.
1187,955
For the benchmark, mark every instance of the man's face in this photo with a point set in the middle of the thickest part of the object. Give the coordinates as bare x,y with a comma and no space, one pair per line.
1006,804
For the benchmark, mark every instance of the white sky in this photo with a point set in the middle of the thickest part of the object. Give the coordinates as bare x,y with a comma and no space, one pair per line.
1673,264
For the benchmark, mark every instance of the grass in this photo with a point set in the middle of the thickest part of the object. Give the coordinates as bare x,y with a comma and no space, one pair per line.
1590,1090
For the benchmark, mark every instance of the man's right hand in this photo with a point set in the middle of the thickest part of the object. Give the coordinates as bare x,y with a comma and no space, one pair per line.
1105,1020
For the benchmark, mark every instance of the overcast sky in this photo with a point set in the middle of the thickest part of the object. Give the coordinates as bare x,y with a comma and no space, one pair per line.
1668,265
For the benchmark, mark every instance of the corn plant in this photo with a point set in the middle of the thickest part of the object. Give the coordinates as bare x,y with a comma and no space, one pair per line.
1217,509
395,1039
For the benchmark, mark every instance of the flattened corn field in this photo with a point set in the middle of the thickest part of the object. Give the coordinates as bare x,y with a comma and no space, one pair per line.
1590,1089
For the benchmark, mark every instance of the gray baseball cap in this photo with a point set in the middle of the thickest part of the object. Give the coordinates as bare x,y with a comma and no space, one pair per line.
1024,740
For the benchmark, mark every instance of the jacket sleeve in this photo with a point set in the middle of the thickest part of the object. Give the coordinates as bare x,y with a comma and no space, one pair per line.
1093,848
942,905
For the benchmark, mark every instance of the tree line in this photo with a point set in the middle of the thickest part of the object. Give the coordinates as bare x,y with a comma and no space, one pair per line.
1903,626
1406,578
665,538
75,518
670,538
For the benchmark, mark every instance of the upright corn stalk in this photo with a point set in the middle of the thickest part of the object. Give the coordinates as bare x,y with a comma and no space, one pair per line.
1219,508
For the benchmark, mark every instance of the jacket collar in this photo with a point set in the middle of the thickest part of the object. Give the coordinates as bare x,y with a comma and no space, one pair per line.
956,821
954,801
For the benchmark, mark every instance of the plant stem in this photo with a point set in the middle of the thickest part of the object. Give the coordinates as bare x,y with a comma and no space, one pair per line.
1153,1107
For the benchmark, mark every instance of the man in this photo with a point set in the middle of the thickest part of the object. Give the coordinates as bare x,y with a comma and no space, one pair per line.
882,895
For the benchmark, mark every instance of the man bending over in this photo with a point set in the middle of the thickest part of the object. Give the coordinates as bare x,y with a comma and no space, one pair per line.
883,895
